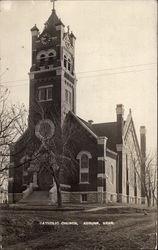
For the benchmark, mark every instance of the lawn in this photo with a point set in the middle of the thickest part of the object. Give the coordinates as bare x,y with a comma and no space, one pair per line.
27,230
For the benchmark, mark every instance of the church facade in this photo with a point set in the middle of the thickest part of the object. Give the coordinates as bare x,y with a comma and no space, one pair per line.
102,160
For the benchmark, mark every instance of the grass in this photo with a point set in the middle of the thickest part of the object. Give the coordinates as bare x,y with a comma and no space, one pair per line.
23,230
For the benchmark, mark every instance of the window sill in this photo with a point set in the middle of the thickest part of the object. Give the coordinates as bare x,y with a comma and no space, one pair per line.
69,72
83,182
45,100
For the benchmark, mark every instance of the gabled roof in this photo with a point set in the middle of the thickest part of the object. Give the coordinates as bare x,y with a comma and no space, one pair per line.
94,131
129,122
80,121
108,129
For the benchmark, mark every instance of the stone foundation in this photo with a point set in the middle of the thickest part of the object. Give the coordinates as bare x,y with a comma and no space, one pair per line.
92,197
65,196
110,197
76,197
87,197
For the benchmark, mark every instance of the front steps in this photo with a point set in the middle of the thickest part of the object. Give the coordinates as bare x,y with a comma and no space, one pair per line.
38,198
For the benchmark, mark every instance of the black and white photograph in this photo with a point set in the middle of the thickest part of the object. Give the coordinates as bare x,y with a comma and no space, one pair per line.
78,124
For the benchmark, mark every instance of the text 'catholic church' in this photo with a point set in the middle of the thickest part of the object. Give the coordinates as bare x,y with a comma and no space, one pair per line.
88,162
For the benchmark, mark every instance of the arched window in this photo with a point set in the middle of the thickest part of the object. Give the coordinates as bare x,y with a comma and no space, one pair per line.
42,59
84,161
45,58
69,64
112,174
70,98
50,58
83,158
40,54
66,95
65,61
51,54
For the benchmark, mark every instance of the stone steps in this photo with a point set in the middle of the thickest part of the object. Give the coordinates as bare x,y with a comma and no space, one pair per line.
36,198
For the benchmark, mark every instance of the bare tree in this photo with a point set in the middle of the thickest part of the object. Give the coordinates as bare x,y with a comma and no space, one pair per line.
151,182
145,170
12,125
55,150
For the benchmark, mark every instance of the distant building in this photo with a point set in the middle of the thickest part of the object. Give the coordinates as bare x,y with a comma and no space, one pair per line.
3,195
3,177
107,153
3,186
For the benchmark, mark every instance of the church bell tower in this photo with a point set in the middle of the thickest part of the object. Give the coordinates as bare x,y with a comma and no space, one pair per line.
52,73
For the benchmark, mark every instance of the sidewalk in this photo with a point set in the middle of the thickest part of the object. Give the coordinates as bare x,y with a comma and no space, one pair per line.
121,208
91,207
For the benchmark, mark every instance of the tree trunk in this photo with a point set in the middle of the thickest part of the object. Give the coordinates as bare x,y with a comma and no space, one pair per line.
154,198
59,198
148,200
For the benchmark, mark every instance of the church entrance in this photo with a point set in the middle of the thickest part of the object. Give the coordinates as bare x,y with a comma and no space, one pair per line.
44,180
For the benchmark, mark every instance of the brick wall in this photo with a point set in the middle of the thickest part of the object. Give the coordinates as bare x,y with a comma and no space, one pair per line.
110,180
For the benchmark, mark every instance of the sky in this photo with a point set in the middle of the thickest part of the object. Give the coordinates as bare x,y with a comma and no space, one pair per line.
115,55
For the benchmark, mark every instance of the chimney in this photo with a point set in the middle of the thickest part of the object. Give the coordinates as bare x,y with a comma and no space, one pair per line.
143,156
120,121
90,122
143,141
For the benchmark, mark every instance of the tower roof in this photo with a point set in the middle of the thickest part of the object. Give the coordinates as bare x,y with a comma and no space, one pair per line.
34,28
52,21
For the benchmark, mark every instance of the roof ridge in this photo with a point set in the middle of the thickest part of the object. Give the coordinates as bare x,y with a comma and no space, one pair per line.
83,124
103,123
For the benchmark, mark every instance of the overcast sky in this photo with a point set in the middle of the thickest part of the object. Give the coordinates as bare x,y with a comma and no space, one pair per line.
115,55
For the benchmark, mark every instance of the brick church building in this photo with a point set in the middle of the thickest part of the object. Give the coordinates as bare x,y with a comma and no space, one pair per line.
100,160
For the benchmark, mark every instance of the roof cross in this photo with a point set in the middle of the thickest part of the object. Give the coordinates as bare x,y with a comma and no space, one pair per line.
53,3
